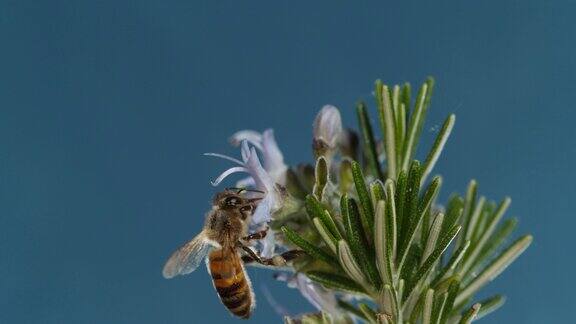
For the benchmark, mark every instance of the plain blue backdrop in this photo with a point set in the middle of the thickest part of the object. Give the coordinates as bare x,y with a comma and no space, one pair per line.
106,107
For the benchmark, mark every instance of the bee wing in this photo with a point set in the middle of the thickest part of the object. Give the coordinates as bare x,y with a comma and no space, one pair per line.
187,258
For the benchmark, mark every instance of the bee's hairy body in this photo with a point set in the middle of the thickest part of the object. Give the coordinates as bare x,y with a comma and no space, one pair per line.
224,230
226,226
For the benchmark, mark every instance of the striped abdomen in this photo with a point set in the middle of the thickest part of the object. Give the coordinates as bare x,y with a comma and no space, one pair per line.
231,282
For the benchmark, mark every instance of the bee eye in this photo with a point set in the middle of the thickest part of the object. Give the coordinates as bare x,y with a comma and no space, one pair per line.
246,208
231,201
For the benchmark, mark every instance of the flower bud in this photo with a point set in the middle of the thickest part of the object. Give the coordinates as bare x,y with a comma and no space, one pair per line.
327,131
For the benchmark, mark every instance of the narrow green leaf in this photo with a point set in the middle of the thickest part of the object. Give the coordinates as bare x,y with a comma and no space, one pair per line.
432,259
470,314
433,236
391,219
351,267
414,127
478,246
368,139
368,312
437,148
333,281
495,241
383,249
474,218
321,177
352,310
401,185
328,238
406,94
426,206
308,247
451,265
439,305
398,115
315,209
428,304
469,202
359,245
364,197
490,305
495,267
412,215
452,293
387,124
453,212
411,263
377,192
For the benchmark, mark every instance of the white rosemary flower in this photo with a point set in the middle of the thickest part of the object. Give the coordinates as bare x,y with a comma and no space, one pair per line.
327,130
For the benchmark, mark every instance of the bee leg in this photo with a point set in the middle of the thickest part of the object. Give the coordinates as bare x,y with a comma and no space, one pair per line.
281,260
292,254
256,236
278,260
250,256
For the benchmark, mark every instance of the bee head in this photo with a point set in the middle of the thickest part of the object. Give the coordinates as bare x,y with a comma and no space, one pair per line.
228,200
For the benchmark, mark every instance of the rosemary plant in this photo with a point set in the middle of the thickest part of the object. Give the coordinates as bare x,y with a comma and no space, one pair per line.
379,247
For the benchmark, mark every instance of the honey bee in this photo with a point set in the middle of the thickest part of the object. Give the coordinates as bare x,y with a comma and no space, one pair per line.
223,238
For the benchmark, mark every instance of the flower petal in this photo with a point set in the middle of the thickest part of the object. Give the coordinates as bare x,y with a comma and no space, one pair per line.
268,245
262,212
225,157
227,173
250,136
261,177
273,158
245,183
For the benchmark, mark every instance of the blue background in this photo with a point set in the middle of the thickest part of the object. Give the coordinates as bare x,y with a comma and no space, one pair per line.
106,107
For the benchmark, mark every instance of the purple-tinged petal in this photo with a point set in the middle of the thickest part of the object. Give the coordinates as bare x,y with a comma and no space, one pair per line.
273,158
225,157
262,212
250,136
245,183
227,173
268,245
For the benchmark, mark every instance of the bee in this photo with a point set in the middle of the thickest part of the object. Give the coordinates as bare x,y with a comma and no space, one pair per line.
221,242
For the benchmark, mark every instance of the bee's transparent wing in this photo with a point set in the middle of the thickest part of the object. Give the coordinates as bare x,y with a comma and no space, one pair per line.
187,258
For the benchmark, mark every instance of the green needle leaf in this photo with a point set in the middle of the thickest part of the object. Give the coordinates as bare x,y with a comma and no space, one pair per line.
387,123
477,247
437,147
368,139
432,259
359,245
496,267
470,314
364,196
368,312
428,303
490,305
415,126
333,281
308,247
353,310
328,238
350,265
